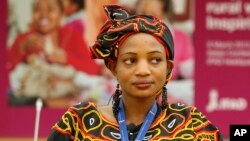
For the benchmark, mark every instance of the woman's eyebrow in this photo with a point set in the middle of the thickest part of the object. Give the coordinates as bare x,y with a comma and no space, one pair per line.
133,53
156,51
128,53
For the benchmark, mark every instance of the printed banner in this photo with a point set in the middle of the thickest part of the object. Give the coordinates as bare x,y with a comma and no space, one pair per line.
222,47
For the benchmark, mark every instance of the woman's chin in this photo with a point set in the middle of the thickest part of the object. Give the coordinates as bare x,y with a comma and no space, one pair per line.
45,30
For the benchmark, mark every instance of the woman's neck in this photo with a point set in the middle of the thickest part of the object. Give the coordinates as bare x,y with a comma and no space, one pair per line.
54,37
53,34
136,109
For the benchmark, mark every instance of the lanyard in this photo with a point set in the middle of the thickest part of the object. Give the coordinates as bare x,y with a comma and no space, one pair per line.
144,128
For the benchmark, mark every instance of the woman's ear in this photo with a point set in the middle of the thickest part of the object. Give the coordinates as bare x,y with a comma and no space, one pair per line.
170,66
112,67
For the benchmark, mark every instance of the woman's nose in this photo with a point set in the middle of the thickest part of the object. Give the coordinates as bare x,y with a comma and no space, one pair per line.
43,13
142,68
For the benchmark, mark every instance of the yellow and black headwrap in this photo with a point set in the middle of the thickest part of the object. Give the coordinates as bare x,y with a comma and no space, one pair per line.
120,25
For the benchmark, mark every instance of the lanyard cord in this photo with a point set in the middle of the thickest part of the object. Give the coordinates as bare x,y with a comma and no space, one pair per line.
144,128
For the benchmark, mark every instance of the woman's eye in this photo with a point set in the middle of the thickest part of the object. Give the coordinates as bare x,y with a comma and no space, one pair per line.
129,61
155,60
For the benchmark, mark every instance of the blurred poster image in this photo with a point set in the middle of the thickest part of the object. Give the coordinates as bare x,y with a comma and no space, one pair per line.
48,57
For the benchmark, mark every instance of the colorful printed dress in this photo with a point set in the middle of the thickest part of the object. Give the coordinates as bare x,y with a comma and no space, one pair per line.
178,122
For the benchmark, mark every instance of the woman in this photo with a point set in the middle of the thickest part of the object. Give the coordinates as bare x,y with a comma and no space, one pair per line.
138,49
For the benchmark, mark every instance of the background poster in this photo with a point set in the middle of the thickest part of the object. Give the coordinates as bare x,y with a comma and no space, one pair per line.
222,46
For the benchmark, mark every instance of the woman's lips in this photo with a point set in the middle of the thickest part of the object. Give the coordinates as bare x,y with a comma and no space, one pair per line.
143,84
44,21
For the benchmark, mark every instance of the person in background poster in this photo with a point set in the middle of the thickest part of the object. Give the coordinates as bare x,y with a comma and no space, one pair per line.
139,51
184,50
75,15
44,61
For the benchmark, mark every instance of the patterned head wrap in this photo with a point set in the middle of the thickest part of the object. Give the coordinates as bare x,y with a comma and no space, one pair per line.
120,25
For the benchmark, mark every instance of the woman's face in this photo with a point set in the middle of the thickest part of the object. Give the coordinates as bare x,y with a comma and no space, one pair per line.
141,66
46,15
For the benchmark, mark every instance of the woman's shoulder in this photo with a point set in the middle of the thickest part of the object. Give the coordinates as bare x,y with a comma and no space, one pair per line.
183,109
66,29
91,109
83,104
179,107
83,108
86,105
24,35
191,119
